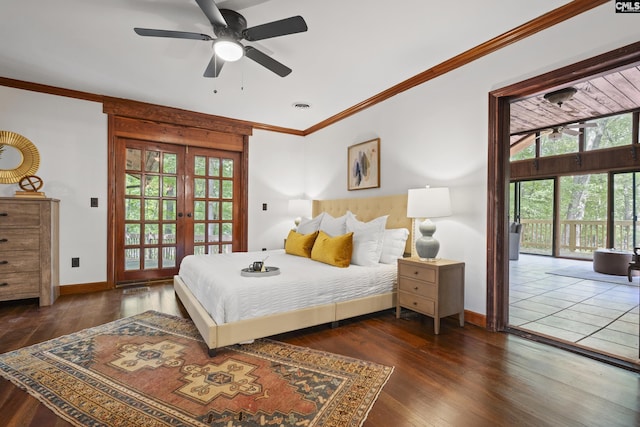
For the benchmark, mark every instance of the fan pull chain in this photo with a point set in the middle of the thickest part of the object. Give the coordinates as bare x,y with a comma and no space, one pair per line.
215,80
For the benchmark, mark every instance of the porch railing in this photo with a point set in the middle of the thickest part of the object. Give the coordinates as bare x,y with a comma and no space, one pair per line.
578,237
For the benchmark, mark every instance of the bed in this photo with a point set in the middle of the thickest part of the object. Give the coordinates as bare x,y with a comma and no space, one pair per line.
247,315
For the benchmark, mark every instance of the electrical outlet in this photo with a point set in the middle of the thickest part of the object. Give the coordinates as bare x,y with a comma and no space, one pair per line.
94,202
264,206
264,249
75,262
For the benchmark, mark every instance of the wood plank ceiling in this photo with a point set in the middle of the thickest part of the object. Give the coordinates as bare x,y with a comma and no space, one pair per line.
600,96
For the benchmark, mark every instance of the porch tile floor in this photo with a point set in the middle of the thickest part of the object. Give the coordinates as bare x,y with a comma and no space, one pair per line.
601,316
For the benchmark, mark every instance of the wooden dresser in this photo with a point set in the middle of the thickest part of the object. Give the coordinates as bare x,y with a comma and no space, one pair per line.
433,288
29,257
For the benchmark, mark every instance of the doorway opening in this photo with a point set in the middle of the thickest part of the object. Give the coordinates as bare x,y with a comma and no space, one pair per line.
503,175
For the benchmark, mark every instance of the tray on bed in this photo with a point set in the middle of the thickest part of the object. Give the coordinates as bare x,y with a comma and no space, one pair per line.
269,271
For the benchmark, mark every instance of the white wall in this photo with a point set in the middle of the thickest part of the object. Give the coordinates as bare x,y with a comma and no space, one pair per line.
71,137
276,166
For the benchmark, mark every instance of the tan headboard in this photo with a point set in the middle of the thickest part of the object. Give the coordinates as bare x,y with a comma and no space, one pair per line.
370,208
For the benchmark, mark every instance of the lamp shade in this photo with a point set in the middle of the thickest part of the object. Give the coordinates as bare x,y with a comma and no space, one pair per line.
428,202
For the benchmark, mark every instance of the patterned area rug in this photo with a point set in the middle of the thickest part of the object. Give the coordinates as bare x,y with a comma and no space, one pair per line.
153,370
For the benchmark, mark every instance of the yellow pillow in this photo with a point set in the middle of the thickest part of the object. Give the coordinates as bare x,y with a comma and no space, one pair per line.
333,250
300,244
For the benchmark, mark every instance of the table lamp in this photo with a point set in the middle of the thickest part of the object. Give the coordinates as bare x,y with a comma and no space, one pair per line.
428,203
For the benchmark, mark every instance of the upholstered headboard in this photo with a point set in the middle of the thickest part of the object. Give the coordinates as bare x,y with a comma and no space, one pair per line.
370,208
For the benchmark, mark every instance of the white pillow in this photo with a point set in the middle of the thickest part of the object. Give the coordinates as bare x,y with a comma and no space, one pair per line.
367,240
393,244
334,226
308,225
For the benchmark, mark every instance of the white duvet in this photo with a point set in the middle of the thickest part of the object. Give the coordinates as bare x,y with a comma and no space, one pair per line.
216,282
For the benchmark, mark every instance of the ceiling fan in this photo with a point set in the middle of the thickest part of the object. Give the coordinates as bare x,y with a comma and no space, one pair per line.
229,27
556,132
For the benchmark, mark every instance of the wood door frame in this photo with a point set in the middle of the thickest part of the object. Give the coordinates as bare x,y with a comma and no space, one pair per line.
497,278
153,123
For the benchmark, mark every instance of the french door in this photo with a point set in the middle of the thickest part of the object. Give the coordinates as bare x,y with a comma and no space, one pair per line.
172,201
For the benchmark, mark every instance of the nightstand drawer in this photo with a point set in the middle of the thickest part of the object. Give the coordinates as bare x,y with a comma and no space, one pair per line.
417,272
418,288
416,303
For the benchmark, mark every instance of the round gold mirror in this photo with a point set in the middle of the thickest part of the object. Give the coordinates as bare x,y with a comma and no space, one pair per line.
18,157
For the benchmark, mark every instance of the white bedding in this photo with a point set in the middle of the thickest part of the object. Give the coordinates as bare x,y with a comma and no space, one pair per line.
227,296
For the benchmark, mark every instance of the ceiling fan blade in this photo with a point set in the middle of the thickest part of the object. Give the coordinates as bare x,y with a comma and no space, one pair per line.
214,67
295,24
212,12
148,32
239,4
267,61
581,125
570,132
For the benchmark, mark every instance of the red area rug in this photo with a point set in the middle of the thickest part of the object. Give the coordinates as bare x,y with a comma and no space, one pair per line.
153,370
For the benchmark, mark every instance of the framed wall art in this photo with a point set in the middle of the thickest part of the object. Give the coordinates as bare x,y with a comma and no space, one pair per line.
363,165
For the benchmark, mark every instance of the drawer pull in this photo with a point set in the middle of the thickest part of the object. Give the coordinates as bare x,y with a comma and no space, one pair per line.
415,272
4,240
4,284
415,288
4,262
4,214
415,303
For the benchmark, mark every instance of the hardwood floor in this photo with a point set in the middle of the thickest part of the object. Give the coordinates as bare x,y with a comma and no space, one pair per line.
462,377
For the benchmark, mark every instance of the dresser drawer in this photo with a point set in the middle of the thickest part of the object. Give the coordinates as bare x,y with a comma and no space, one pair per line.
418,288
418,272
416,303
18,262
13,239
24,214
19,285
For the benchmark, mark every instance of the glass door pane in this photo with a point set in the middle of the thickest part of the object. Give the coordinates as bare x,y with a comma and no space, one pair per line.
625,210
583,215
536,216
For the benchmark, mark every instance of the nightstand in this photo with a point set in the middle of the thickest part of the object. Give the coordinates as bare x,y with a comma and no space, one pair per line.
433,288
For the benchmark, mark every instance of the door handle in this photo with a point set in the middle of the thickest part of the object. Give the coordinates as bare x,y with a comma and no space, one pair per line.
189,214
180,215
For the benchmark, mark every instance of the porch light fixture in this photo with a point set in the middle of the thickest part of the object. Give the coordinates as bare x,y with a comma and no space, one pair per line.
428,203
228,50
560,96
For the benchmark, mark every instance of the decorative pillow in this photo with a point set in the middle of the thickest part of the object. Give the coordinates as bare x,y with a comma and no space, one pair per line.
300,244
393,244
334,226
333,250
308,225
367,240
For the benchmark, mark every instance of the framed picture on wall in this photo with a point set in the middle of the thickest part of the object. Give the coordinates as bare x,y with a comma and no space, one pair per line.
363,165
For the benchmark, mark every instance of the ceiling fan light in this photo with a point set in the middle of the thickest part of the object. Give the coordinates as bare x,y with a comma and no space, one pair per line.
228,50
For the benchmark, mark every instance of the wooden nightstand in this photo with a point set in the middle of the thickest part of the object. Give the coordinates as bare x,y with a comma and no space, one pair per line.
433,288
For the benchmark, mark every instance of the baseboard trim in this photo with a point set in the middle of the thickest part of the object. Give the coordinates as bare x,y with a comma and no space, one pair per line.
475,318
84,288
